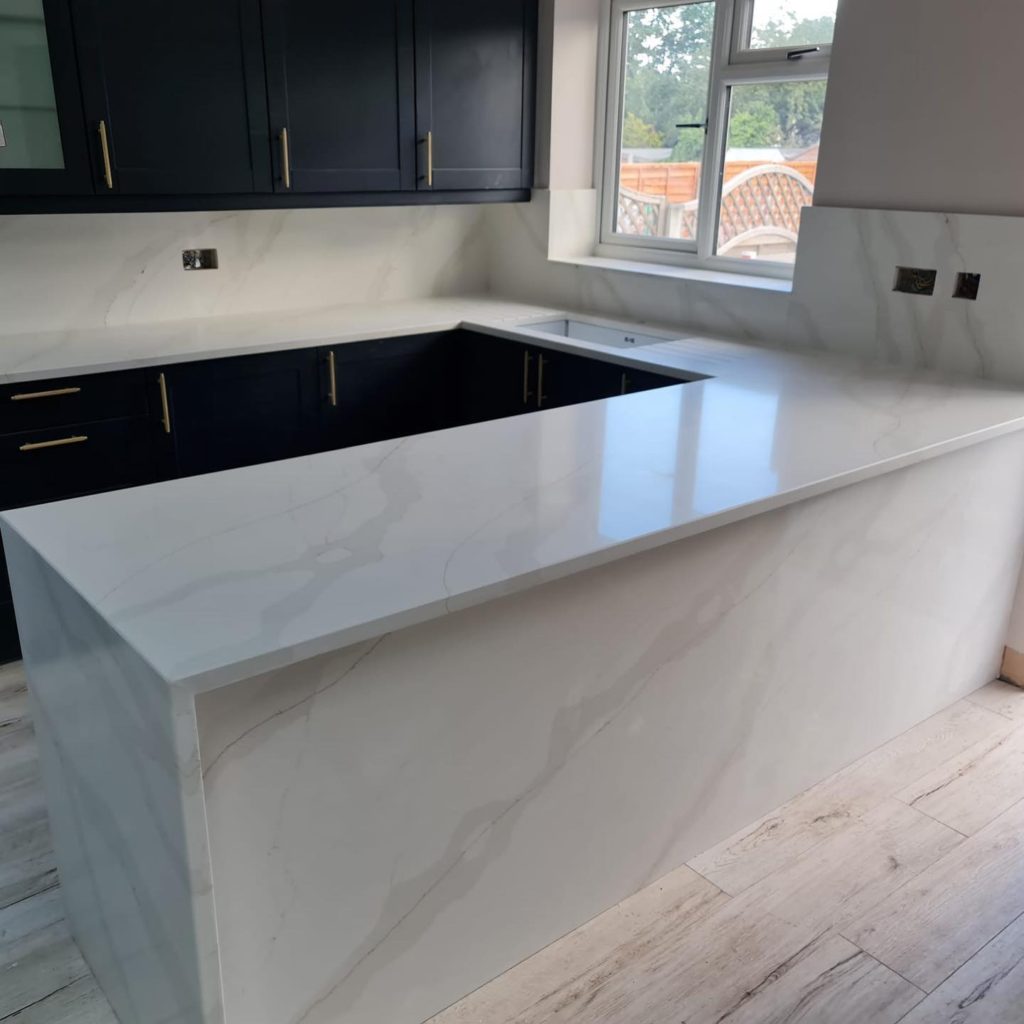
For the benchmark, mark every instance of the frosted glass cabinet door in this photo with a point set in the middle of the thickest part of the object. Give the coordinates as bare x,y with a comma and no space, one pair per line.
42,146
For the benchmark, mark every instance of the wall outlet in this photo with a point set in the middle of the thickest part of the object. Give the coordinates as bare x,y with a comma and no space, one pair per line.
967,287
199,259
915,281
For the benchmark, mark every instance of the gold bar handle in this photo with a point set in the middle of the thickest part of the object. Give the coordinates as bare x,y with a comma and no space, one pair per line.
625,385
36,446
286,160
526,378
28,396
108,174
332,374
430,159
165,405
541,397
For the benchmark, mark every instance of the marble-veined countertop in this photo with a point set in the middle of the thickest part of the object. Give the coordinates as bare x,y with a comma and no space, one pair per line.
214,579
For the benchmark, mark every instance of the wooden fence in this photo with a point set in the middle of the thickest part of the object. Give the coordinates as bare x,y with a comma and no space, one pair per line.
679,182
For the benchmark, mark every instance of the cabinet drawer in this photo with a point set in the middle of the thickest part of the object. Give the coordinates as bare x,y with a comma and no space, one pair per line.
39,405
47,465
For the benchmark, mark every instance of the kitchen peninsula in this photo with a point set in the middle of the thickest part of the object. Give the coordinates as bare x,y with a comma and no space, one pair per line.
340,738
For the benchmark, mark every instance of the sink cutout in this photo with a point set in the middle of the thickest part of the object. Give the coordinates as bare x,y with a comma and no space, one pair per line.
583,330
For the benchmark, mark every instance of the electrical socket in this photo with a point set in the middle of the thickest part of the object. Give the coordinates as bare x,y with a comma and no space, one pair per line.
199,259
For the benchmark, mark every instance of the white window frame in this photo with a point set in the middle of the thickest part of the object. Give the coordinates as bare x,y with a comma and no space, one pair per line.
732,63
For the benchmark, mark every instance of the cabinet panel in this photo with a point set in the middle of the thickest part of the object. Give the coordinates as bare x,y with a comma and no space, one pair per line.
475,92
238,412
82,458
179,89
42,135
387,389
496,378
54,403
340,78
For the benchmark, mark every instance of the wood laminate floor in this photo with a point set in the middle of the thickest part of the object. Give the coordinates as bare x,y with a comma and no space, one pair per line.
891,892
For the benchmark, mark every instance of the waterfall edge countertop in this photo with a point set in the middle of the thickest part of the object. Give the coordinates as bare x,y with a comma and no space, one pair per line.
217,578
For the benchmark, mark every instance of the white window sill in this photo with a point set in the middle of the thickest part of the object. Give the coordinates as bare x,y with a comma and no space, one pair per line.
690,274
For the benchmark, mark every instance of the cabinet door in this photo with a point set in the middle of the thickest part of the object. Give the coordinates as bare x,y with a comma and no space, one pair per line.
496,378
398,387
226,413
42,132
475,93
340,79
174,96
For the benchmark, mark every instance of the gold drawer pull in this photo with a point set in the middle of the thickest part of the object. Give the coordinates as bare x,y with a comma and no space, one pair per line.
332,373
165,405
541,397
108,174
29,396
37,445
286,159
625,385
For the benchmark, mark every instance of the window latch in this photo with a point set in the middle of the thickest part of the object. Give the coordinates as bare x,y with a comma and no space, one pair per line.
700,124
797,54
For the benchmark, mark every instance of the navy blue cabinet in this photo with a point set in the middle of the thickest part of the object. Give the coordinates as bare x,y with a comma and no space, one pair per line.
64,438
42,133
226,413
475,93
174,96
231,104
340,83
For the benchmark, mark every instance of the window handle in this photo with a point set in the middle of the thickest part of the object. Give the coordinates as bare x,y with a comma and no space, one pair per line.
701,124
797,54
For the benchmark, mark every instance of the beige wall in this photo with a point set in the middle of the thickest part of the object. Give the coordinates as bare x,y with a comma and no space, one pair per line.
924,107
567,92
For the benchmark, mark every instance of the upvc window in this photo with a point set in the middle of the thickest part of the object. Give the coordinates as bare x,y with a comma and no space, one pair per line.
714,112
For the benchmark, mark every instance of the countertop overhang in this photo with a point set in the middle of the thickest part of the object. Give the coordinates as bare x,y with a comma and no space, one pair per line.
218,578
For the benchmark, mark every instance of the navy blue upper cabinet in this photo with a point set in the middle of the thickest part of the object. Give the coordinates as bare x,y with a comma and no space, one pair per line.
110,105
42,135
175,101
340,85
475,74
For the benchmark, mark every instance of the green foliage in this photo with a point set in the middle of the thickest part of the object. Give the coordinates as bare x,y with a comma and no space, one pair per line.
638,134
667,73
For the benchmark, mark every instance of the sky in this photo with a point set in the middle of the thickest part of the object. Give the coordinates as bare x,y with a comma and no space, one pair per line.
766,10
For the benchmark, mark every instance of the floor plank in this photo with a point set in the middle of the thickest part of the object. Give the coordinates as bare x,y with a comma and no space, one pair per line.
988,989
1003,698
737,964
780,838
81,1002
27,862
973,789
678,902
854,870
935,923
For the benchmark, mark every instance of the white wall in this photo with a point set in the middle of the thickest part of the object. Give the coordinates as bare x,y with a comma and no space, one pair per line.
924,107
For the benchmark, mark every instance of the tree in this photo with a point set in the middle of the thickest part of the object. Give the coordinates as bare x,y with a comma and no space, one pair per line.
638,134
667,71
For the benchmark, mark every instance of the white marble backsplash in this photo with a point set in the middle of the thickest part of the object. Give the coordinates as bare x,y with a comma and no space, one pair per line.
79,271
842,298
82,271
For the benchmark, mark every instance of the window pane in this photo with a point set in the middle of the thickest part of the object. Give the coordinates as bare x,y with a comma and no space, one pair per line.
29,130
786,23
667,71
771,163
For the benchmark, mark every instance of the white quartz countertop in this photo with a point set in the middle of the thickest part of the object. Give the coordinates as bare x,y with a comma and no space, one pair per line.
26,357
217,578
